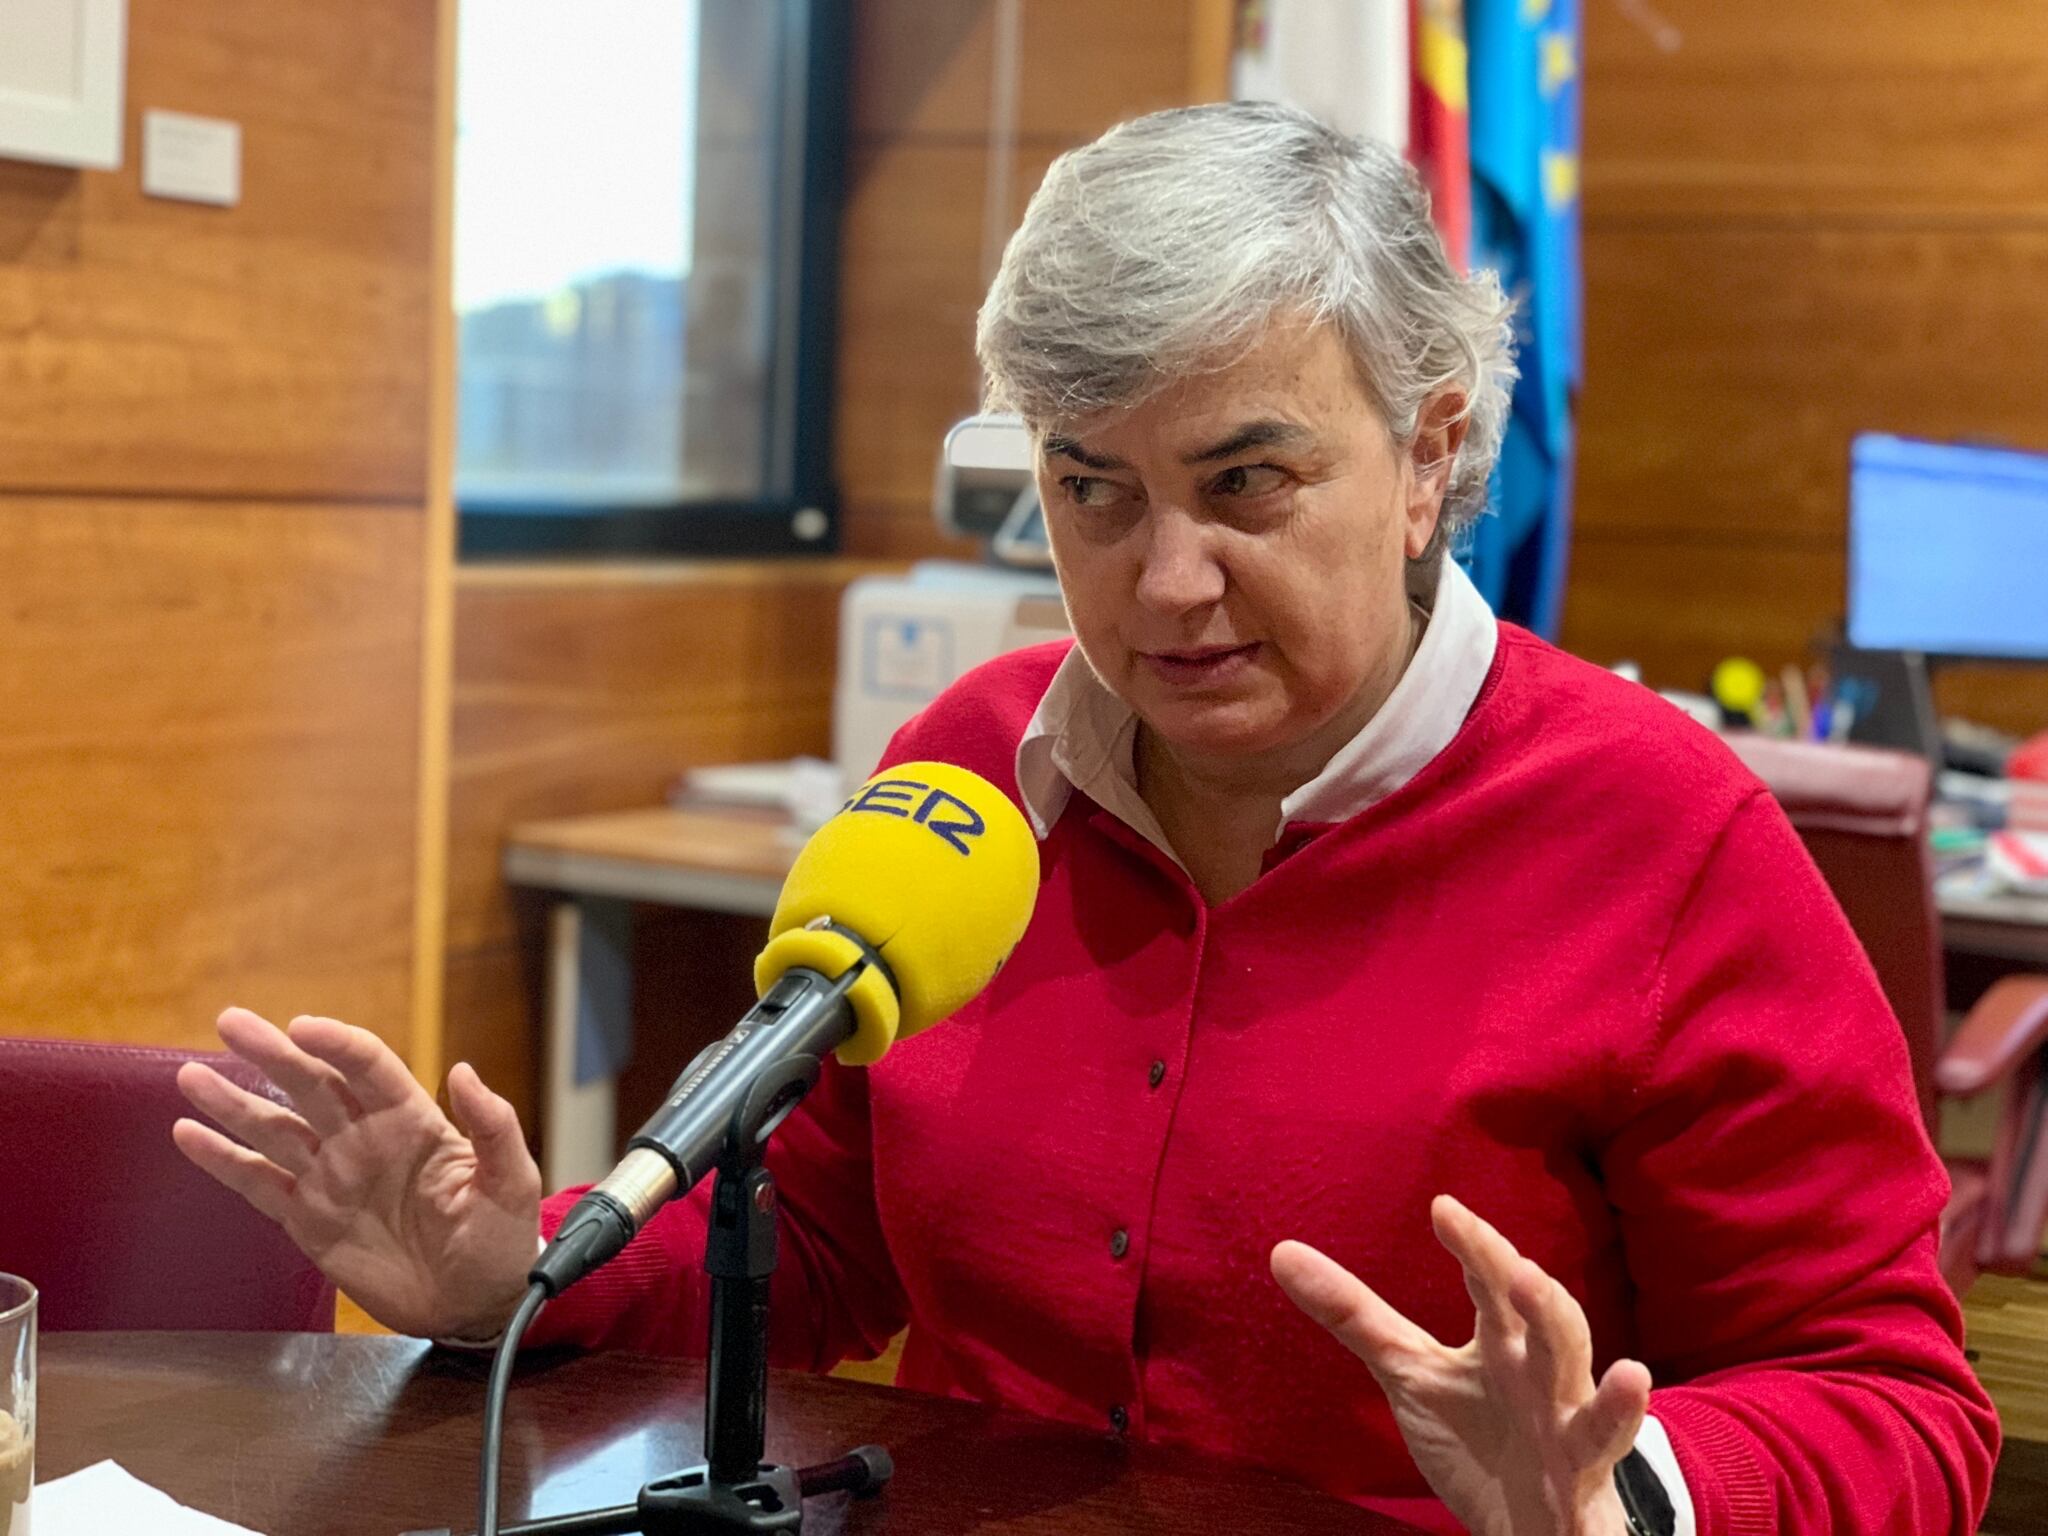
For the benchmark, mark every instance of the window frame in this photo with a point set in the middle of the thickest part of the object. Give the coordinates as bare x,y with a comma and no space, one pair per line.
810,191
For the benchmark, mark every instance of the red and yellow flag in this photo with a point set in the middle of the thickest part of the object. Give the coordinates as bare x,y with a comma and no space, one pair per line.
1439,121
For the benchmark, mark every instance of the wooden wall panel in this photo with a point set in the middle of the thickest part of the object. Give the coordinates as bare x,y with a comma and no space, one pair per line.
923,69
1677,606
1728,367
1843,107
1801,222
906,324
276,350
207,764
492,1004
912,246
214,548
2012,698
593,690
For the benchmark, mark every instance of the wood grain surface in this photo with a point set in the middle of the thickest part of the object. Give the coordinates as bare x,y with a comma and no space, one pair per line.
277,349
923,68
722,843
2006,1319
1676,604
913,258
1801,222
207,769
301,1435
1848,108
1729,367
214,548
576,698
911,284
584,690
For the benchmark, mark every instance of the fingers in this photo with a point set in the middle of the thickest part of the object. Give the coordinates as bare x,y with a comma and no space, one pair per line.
1328,1292
315,1088
371,1069
249,1174
1602,1431
268,1127
505,1170
1489,1262
1515,1297
1557,1337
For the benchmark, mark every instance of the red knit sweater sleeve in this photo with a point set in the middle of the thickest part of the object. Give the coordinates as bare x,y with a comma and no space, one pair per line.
1779,1200
835,1294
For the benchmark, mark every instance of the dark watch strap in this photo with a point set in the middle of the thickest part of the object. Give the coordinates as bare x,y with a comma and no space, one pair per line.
1644,1499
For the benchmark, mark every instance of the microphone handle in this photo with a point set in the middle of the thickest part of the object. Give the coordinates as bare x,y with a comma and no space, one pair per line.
741,1085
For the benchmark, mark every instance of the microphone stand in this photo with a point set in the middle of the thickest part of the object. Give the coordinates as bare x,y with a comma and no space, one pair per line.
733,1492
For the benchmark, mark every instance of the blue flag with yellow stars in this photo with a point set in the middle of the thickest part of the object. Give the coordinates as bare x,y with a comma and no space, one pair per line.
1523,63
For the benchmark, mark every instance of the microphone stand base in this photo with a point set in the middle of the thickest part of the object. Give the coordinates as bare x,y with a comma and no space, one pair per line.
689,1503
732,1492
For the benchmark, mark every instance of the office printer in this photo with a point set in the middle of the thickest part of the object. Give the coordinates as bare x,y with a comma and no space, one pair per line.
904,639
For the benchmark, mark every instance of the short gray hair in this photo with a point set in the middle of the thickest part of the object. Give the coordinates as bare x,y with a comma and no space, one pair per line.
1166,246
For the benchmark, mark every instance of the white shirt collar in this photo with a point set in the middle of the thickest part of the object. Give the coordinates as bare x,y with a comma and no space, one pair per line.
1082,735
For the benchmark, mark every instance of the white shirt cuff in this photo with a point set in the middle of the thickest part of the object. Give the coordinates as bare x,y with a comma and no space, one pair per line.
1656,1448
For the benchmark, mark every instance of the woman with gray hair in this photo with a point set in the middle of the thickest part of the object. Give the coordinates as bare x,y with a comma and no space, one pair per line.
1362,914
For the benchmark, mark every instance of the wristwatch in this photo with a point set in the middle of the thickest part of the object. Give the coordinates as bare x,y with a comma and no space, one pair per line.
1643,1499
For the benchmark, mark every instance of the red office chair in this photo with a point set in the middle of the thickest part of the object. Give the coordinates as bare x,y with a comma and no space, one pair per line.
1862,813
109,1221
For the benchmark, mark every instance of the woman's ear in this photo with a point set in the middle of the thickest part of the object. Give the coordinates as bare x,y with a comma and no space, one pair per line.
1439,433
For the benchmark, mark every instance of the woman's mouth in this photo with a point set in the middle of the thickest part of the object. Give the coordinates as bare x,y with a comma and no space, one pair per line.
1200,665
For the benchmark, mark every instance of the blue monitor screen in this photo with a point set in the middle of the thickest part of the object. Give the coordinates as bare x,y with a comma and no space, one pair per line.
1948,549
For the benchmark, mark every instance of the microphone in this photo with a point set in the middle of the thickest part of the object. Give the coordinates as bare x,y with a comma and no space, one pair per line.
896,914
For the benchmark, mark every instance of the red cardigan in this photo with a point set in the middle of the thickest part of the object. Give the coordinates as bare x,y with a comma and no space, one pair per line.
1579,973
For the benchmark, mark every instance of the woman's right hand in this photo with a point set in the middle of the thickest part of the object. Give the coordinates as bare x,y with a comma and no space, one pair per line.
429,1226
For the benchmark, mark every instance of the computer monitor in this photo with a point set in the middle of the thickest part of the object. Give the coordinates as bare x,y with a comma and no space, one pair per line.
1948,549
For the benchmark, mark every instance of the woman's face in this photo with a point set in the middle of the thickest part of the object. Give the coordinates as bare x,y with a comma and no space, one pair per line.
1233,550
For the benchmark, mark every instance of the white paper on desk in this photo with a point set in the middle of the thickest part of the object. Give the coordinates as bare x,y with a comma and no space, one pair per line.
104,1498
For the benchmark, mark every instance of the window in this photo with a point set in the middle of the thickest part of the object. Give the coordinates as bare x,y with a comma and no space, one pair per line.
646,201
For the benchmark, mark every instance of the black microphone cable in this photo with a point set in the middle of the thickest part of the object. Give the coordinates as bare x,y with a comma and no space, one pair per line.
536,1297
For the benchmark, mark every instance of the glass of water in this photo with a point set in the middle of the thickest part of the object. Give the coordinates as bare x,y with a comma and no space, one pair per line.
17,1402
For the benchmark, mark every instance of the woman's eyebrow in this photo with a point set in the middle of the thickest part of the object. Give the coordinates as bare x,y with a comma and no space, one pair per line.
1258,434
1066,447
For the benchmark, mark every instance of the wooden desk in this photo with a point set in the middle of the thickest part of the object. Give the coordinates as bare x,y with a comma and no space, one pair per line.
603,865
726,862
338,1435
2011,928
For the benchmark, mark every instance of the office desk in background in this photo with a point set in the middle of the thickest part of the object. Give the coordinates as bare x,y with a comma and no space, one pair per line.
733,862
601,866
346,1435
2013,928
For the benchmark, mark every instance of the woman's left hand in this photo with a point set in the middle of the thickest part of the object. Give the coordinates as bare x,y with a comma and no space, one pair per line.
1510,1430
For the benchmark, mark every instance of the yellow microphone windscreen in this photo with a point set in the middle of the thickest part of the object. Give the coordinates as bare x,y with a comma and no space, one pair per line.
934,867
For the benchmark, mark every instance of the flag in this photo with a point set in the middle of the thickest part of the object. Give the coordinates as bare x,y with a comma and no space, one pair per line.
1524,64
1438,139
1345,61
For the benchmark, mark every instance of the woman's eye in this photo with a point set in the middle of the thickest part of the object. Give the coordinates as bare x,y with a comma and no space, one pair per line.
1248,480
1091,491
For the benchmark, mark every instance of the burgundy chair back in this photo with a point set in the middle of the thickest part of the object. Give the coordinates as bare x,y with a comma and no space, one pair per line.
111,1223
1862,813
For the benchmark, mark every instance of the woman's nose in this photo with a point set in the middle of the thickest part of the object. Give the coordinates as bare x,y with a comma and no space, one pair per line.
1178,569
